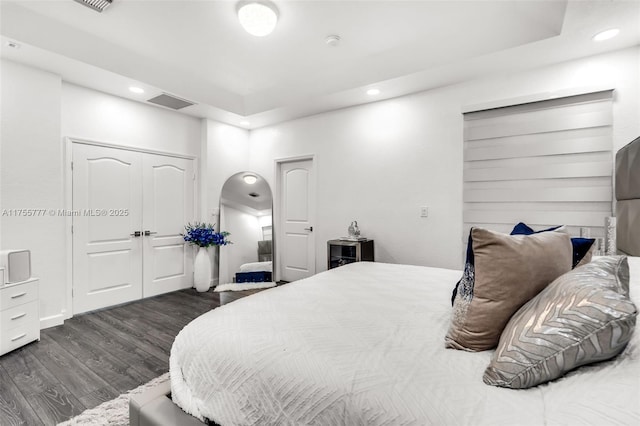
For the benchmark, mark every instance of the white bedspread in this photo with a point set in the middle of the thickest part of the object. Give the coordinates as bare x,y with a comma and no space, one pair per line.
363,344
256,267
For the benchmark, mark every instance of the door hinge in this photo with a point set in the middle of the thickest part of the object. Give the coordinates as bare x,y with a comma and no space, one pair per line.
72,165
72,229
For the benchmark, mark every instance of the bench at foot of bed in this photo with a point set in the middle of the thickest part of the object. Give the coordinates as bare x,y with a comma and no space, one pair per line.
154,407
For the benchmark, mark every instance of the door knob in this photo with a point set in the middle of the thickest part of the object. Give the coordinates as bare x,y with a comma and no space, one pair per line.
136,234
147,233
310,229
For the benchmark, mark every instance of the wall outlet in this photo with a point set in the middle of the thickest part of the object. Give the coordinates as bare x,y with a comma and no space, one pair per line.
424,211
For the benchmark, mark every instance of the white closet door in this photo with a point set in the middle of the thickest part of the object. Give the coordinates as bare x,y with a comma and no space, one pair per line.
107,208
168,191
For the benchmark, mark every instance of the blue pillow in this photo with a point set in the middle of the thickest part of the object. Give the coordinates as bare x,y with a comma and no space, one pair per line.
524,229
581,246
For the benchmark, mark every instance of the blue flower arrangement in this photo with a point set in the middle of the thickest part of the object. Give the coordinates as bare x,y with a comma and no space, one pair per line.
203,235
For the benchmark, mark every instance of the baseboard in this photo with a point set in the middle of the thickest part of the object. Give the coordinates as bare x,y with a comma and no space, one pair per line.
51,321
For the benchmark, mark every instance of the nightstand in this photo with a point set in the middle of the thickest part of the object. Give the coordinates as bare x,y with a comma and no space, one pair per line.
341,252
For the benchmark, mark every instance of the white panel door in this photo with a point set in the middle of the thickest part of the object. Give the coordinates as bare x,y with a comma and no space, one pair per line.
107,209
168,190
297,209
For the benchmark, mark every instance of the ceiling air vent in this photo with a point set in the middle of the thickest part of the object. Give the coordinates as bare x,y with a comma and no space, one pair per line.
170,101
97,5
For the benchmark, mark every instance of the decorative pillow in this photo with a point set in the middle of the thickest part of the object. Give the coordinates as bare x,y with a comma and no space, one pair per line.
584,316
502,273
583,248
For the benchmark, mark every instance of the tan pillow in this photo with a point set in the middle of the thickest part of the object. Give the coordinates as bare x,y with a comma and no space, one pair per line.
506,271
584,316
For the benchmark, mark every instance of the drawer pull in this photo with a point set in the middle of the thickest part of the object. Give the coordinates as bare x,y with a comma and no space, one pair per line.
18,316
19,337
15,296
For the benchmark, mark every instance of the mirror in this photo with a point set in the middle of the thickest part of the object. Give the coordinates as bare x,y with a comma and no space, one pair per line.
246,205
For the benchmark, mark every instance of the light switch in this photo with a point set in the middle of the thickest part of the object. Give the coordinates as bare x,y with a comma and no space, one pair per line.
424,211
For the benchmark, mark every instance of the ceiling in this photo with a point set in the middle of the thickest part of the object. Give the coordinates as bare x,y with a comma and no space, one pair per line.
252,198
196,49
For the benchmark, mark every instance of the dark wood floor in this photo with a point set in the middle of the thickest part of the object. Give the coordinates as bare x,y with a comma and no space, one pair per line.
94,357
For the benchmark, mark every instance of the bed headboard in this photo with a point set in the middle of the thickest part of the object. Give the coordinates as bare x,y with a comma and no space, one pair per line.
628,196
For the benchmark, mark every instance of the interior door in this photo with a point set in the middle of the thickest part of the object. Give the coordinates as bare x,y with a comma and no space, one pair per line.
107,210
168,190
297,210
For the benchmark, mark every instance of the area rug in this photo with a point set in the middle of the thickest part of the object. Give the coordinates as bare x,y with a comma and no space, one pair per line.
114,412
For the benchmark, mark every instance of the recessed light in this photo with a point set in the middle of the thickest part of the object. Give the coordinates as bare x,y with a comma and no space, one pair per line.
373,92
136,89
244,123
332,40
258,18
13,44
250,179
606,35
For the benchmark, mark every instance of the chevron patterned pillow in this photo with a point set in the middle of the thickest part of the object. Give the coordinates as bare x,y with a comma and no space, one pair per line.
584,316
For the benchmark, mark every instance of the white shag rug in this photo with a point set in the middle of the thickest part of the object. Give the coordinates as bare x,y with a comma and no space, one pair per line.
114,412
243,286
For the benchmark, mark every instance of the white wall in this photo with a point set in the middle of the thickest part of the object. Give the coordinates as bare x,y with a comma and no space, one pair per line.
377,163
94,115
31,170
226,149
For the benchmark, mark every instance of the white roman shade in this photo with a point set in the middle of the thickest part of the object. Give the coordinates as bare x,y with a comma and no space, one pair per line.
544,163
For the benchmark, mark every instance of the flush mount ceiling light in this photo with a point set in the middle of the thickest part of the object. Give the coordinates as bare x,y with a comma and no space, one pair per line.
250,179
606,35
373,92
258,18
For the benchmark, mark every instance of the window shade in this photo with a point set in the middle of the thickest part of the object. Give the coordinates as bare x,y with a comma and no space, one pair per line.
544,163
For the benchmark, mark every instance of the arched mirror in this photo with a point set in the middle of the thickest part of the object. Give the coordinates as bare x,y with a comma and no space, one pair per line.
246,213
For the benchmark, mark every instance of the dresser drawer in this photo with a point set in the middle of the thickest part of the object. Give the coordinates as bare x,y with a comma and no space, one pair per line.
19,316
14,338
19,294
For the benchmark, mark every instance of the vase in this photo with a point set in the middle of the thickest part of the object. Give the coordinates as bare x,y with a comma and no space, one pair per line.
202,270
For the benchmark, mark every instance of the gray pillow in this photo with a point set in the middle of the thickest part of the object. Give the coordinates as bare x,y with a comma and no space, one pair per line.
584,316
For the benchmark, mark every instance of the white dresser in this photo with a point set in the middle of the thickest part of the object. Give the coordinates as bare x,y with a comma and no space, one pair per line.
19,317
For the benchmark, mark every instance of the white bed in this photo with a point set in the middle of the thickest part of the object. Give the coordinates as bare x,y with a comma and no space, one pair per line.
256,267
363,344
